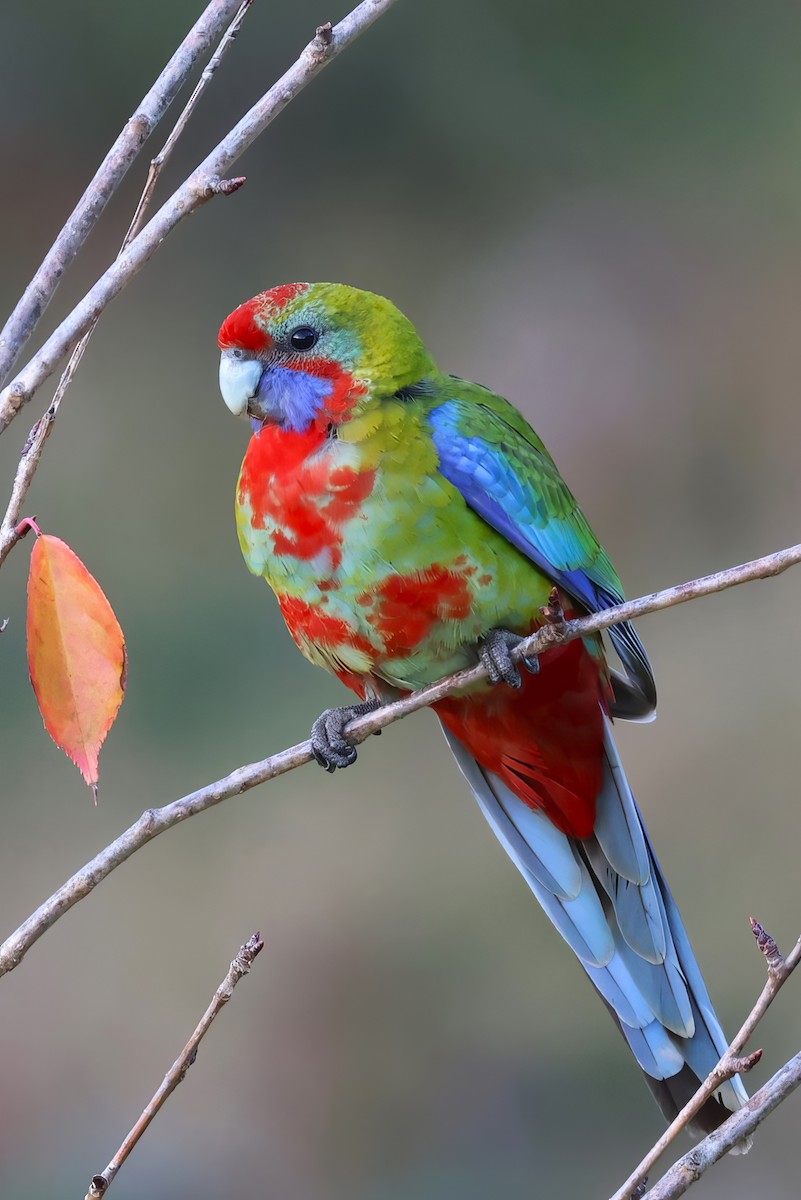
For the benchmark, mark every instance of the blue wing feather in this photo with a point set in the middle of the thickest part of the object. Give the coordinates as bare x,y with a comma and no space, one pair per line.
489,469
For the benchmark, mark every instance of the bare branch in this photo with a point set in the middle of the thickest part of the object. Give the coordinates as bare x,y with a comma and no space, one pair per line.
156,820
689,1169
208,180
779,970
111,172
239,967
34,446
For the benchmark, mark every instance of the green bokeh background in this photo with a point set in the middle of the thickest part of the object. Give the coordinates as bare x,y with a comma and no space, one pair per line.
596,209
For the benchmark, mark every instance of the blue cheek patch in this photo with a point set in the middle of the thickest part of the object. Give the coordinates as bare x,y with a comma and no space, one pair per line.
295,397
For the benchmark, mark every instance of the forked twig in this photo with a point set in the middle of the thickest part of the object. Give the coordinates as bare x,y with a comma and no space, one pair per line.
732,1063
239,968
158,163
689,1169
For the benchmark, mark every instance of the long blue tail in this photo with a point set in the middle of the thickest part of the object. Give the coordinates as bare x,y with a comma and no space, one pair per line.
610,901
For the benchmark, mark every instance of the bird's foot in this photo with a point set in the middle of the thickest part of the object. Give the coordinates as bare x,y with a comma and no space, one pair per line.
330,744
495,652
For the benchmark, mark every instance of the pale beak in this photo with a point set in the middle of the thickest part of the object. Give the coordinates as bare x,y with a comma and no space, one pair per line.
239,381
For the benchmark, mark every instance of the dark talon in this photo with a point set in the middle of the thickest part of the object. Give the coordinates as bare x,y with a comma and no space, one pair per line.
495,652
330,746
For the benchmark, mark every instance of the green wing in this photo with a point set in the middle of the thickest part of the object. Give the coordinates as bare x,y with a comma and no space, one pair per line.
490,453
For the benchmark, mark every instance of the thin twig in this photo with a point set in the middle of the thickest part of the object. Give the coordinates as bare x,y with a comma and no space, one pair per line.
779,970
34,446
26,468
156,820
239,967
689,1169
206,181
111,172
158,163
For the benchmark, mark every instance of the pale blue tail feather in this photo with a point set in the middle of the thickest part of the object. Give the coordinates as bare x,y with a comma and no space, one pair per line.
608,897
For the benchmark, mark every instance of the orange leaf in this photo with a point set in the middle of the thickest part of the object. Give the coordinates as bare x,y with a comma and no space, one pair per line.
76,653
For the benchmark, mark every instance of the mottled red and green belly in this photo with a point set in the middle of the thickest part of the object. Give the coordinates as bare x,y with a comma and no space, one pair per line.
407,628
382,578
545,741
376,572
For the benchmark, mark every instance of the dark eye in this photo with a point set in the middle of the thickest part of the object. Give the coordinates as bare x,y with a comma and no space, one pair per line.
303,338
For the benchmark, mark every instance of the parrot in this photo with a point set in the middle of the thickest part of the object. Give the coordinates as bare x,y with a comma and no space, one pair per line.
412,524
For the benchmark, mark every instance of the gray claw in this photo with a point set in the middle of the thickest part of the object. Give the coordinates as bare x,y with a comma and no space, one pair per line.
330,746
495,652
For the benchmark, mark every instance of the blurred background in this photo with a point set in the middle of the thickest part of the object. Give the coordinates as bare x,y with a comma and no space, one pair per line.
596,210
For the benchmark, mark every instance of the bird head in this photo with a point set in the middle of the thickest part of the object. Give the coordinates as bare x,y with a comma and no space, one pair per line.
312,354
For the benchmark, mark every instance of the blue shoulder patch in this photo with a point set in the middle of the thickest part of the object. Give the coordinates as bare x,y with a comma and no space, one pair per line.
491,486
491,483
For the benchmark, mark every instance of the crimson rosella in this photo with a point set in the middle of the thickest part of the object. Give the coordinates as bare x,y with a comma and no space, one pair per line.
410,523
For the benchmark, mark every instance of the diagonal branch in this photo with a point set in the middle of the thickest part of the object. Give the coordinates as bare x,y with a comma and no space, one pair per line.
109,175
779,971
156,820
34,446
239,968
206,181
